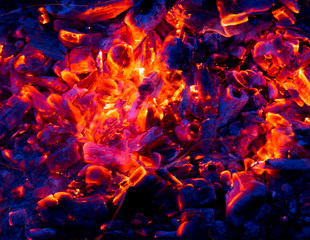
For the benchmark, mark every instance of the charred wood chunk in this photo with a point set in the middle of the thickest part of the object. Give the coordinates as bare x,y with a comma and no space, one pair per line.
291,5
18,217
255,6
145,192
42,233
231,103
284,16
92,12
61,210
207,86
231,13
144,17
98,176
13,115
176,54
72,38
241,199
63,158
188,131
120,60
81,60
103,155
208,134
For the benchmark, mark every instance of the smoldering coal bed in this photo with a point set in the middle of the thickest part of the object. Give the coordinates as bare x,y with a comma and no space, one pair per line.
169,119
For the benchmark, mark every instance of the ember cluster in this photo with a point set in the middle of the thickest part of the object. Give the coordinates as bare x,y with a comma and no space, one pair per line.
172,119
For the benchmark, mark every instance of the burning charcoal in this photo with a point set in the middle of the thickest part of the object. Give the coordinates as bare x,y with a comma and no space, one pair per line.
18,192
211,170
81,60
189,230
188,131
144,17
92,12
284,164
176,54
205,190
47,82
98,176
70,116
284,16
42,233
13,113
272,91
165,234
107,156
142,191
150,87
43,18
181,172
61,209
18,217
303,84
33,62
208,133
231,103
63,158
272,53
207,86
120,60
254,6
187,197
291,5
72,38
230,13
241,198
153,162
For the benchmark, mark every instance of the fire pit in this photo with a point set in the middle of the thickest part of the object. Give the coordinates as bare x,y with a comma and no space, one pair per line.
169,119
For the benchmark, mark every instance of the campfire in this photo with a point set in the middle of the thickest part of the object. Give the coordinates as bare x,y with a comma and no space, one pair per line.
168,119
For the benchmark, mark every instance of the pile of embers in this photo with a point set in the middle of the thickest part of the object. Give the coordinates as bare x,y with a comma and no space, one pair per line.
155,119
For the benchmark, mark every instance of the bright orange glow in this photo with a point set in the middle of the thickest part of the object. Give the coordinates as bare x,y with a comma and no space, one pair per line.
44,19
303,85
69,36
20,61
234,19
284,14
